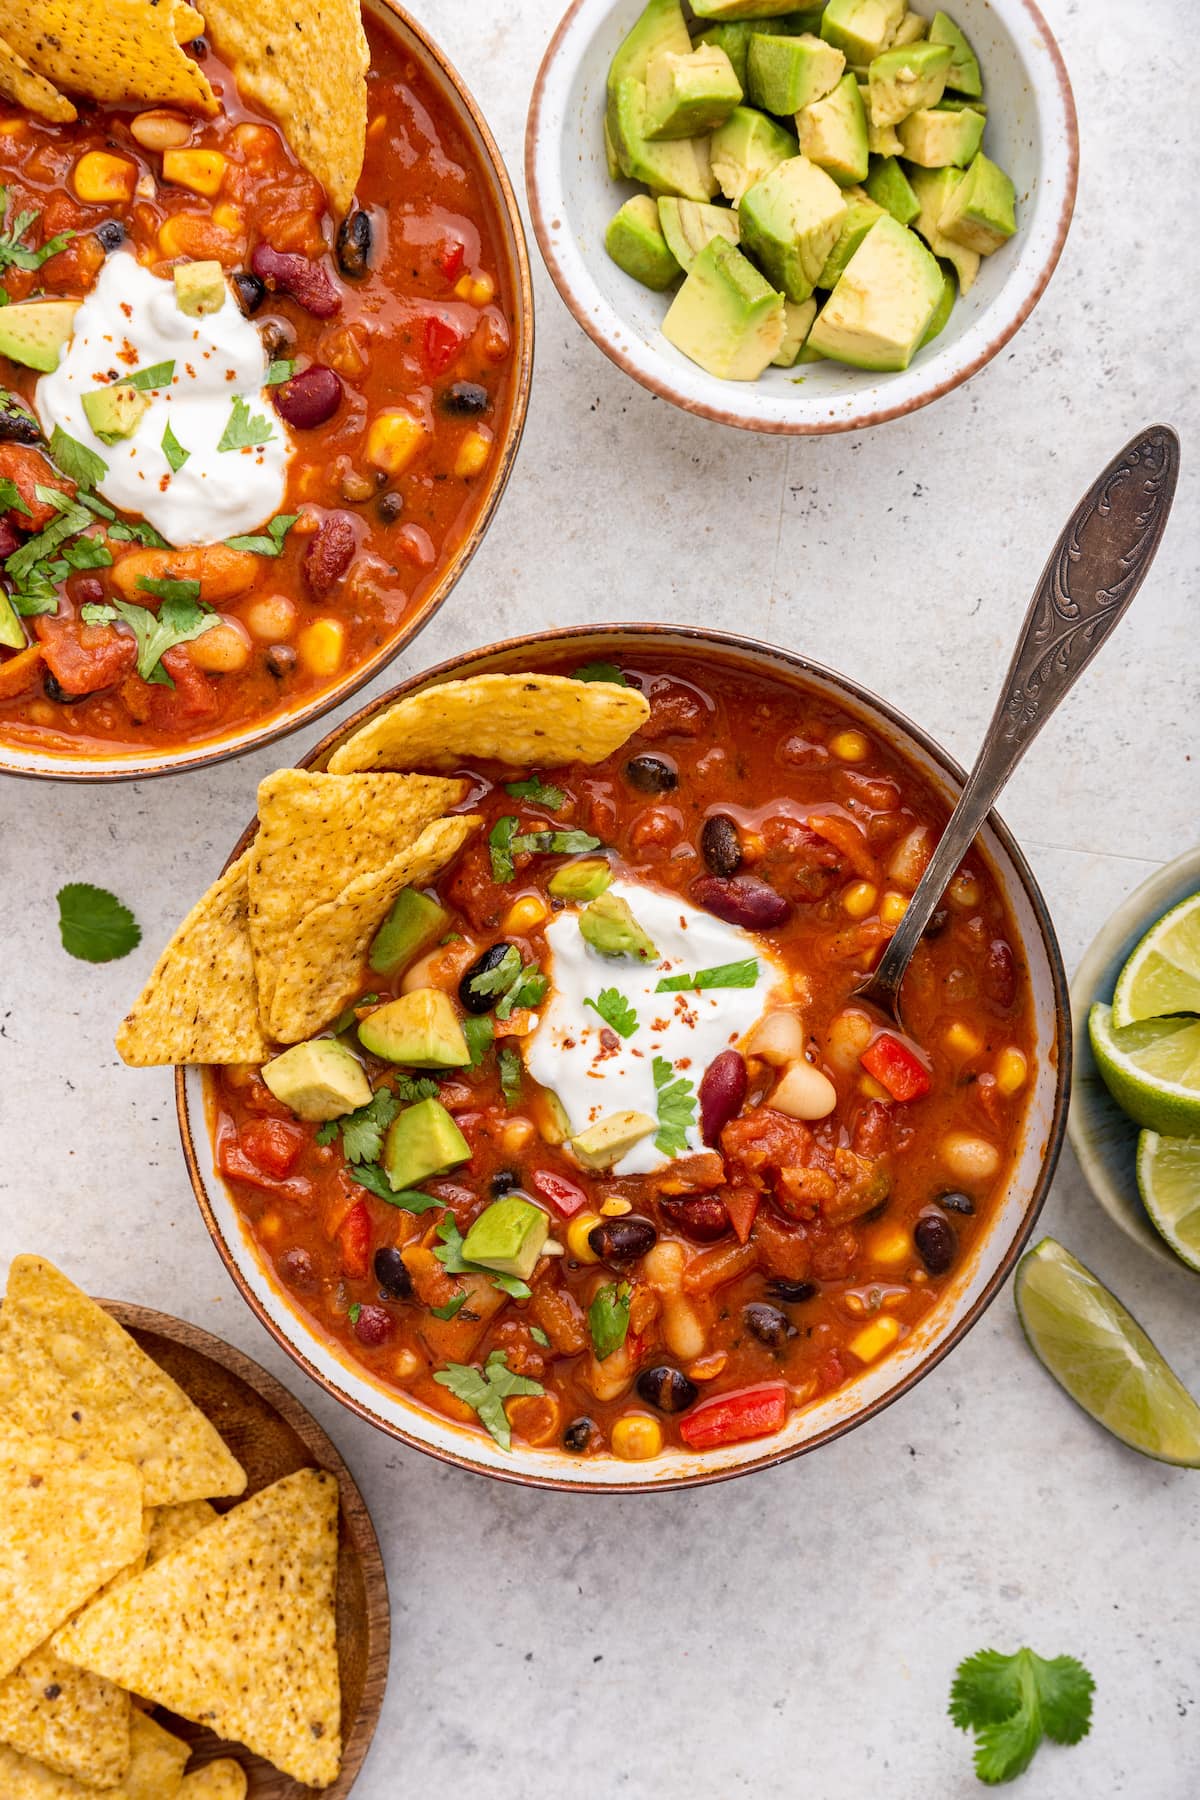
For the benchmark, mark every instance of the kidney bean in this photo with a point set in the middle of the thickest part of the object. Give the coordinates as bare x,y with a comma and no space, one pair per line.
720,845
741,900
722,1093
8,539
1000,973
651,775
354,240
391,1272
296,1268
666,1388
331,552
958,1203
937,1244
622,1240
310,398
768,1324
373,1326
702,1217
307,282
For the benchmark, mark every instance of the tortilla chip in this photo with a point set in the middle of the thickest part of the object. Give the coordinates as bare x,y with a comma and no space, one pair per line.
531,721
237,1630
186,24
306,62
156,1764
126,53
31,91
173,1526
223,1780
317,834
68,1369
200,1005
324,963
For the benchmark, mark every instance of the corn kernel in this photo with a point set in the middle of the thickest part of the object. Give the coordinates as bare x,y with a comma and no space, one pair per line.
228,217
875,1338
526,913
890,1244
964,890
636,1438
393,439
960,1040
850,746
405,1364
270,1227
515,1135
473,452
892,909
480,290
201,170
859,899
100,179
874,1090
1012,1070
577,1236
615,1207
321,646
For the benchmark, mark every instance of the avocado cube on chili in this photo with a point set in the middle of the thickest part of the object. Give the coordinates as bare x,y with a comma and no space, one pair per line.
833,133
318,1080
115,412
964,75
980,212
687,95
862,29
635,242
745,148
606,1142
508,1237
199,288
941,137
34,331
414,923
12,632
422,1141
421,1029
879,311
785,73
889,186
550,1116
584,880
790,222
608,925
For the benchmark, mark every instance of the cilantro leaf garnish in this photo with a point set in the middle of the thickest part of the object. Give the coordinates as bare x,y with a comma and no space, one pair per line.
178,621
478,1031
505,843
245,429
676,1108
500,839
451,1308
158,375
608,1318
451,1257
511,1070
529,989
168,587
1012,1702
87,553
95,926
540,792
14,254
282,369
354,1312
411,1088
600,671
615,1010
270,544
516,983
539,1336
363,1129
486,1390
71,519
724,975
10,498
75,460
499,979
136,533
173,450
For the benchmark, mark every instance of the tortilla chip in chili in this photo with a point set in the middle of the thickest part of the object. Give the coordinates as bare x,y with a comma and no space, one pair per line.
125,51
67,1368
31,91
530,721
222,1780
200,1005
156,1764
237,1630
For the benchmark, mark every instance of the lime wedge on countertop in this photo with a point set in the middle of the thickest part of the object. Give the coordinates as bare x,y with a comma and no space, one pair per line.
1151,1069
1099,1353
1168,1178
1163,974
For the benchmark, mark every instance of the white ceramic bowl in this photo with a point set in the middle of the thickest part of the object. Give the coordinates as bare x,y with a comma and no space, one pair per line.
1104,1138
977,1281
1031,132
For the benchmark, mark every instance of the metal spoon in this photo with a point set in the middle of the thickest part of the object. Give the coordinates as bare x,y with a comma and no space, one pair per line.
1094,571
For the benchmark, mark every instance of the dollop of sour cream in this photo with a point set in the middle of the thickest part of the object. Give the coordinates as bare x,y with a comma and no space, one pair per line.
687,1029
130,321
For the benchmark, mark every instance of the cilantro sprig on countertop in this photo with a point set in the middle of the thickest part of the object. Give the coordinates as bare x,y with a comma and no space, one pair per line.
95,926
1012,1702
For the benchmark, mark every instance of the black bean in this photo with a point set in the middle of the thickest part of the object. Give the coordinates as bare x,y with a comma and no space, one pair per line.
792,1291
651,775
390,506
578,1434
251,292
280,659
958,1203
462,399
17,423
938,922
278,338
56,692
491,959
769,1325
720,845
503,1182
666,1388
936,1242
198,48
354,240
392,1274
622,1240
110,234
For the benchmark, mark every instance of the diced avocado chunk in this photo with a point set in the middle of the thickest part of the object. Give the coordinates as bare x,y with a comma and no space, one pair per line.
861,29
938,138
786,73
421,1141
964,76
420,1028
12,632
199,288
115,412
661,26
734,40
881,139
861,214
934,189
508,1237
902,80
34,332
748,146
798,320
687,227
318,1080
550,1116
833,133
890,187
586,879
726,317
880,310
611,160
414,923
635,242
606,1142
911,29
677,166
688,95
980,212
942,310
742,9
790,222
609,926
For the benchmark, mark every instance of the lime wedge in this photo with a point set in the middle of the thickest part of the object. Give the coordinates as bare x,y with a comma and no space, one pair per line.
1163,974
1168,1178
1152,1069
1099,1353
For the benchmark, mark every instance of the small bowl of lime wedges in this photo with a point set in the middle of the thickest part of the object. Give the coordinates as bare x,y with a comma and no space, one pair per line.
1135,1100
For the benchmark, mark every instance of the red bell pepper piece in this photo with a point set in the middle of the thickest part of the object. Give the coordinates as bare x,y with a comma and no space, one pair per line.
354,1242
451,257
732,1418
443,341
561,1193
897,1067
273,1144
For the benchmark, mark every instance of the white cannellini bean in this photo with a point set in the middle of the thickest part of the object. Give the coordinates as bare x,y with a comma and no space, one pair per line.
804,1093
848,1036
609,1379
682,1327
970,1158
778,1038
908,860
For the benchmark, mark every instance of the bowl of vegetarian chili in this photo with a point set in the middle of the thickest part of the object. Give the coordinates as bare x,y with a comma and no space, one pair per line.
650,1198
258,407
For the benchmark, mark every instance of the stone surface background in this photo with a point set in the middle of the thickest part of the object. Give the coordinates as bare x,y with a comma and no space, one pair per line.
797,1633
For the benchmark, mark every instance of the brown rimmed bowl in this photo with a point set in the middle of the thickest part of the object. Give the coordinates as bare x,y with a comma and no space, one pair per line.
977,1282
137,765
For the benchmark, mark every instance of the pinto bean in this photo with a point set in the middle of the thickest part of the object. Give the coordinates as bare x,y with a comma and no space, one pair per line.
223,573
722,1093
1000,973
307,282
741,900
331,552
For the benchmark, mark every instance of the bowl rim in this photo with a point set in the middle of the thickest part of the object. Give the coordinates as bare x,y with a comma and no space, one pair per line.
138,765
665,389
789,664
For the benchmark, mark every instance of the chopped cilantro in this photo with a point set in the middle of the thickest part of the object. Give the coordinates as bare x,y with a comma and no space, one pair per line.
724,975
158,375
486,1390
676,1108
13,253
245,429
363,1129
600,671
327,1132
282,369
539,1336
499,979
451,1257
540,792
75,460
478,1031
95,926
166,587
354,1312
71,519
173,450
177,621
414,1201
1012,1702
451,1307
101,508
556,843
411,1088
615,1010
500,839
529,989
137,533
608,1318
87,553
511,1070
10,498
270,543
349,1014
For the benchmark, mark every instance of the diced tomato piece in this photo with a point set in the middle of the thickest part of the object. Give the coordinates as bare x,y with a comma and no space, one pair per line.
237,1165
28,469
193,697
354,1242
83,659
561,1193
451,257
732,1418
274,1144
741,1203
847,837
443,341
897,1067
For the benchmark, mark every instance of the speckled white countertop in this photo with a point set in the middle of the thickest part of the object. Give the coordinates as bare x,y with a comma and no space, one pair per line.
794,1634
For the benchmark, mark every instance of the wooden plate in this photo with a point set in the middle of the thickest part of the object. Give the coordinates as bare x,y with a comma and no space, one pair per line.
272,1435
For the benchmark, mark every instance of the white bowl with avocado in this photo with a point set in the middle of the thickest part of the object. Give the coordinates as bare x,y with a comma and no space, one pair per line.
801,219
